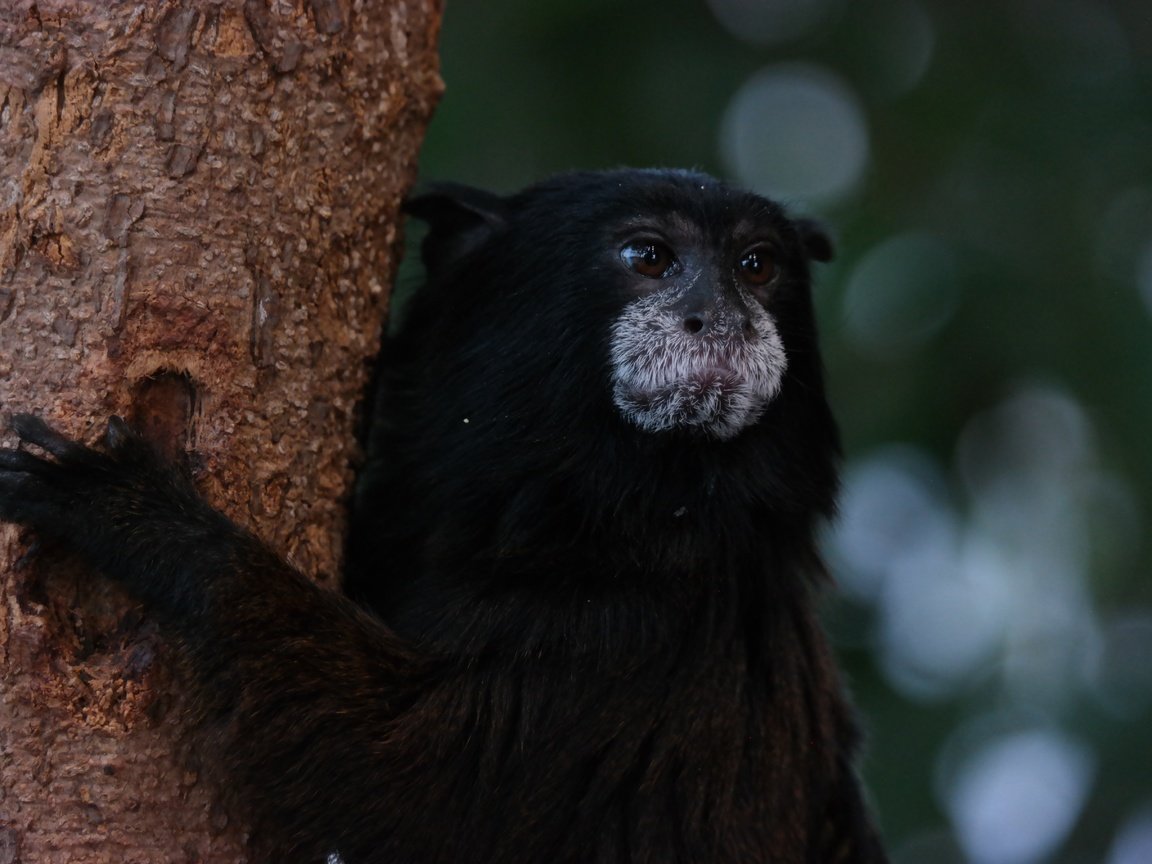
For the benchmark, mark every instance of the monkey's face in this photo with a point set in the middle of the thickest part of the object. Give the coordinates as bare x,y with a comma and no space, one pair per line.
697,349
691,295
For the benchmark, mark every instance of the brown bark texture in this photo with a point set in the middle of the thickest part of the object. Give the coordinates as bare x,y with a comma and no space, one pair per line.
198,229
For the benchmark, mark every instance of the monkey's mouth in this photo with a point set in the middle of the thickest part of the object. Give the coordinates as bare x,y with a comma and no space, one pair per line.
713,400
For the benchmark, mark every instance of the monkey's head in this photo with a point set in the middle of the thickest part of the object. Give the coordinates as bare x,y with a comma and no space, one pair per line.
633,311
696,347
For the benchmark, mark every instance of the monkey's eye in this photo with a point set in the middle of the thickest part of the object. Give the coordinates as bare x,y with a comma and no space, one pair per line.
757,267
648,258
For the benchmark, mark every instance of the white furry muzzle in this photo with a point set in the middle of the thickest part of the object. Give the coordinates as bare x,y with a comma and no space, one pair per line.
716,382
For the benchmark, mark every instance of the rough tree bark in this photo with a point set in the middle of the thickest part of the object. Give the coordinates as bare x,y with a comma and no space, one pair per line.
198,228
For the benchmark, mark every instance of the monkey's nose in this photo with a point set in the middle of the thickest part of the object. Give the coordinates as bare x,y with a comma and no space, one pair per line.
705,322
696,323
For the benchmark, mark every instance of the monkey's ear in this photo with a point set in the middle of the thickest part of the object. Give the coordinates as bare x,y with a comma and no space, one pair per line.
816,239
460,219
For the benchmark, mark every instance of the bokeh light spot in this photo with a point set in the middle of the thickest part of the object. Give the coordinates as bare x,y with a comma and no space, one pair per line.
796,132
1144,276
1134,843
769,22
901,293
896,41
1014,800
891,505
1121,674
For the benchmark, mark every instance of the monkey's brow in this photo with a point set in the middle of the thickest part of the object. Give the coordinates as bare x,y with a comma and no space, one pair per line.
664,221
750,225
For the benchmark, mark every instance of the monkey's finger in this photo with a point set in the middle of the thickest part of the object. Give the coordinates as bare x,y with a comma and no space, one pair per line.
118,433
21,462
16,504
126,444
33,430
27,500
121,438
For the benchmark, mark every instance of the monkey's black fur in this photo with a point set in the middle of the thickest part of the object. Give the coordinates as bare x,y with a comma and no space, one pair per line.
599,642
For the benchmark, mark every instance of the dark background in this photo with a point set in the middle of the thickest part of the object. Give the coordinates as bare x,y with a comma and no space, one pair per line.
987,168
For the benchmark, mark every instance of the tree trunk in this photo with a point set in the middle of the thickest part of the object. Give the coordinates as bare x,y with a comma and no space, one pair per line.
198,228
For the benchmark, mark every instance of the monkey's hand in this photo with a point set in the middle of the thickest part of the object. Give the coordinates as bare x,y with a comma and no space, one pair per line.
123,510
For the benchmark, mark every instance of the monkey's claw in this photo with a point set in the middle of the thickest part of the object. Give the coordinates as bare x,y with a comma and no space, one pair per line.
67,488
33,430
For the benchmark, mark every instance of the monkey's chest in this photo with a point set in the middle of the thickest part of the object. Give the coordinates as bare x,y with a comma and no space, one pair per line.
607,775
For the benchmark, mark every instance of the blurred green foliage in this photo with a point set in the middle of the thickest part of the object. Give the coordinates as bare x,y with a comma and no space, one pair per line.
988,333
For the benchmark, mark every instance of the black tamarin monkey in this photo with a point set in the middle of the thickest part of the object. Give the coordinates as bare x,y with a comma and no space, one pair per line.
586,532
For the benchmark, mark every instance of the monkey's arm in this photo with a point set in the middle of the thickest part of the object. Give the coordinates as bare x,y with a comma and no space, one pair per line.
295,682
